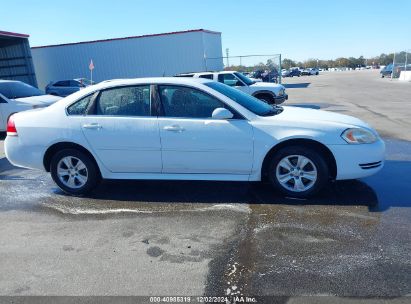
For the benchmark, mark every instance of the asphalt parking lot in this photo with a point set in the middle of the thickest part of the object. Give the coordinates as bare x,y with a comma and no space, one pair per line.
223,238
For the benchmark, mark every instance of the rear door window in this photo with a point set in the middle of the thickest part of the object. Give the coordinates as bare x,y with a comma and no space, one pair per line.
124,101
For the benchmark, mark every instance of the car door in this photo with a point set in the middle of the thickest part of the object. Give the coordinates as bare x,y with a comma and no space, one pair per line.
193,142
233,81
121,131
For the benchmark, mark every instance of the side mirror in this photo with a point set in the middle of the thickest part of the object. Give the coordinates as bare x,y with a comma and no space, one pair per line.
239,84
222,113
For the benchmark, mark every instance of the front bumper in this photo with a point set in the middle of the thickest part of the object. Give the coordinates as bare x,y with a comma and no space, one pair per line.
280,99
357,161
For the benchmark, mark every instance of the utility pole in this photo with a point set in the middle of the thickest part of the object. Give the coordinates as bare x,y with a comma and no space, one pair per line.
227,52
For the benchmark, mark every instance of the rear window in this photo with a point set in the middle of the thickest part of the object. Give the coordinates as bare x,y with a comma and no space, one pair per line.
17,89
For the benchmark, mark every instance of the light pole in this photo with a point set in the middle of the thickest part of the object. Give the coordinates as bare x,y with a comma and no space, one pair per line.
227,52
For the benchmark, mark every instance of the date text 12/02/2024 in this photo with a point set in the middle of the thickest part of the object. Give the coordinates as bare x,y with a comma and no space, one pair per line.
203,299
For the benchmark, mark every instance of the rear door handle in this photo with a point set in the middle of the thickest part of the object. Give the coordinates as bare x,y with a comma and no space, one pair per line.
174,128
94,125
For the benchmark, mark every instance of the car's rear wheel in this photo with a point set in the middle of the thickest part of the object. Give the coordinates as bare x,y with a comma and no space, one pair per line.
74,171
298,171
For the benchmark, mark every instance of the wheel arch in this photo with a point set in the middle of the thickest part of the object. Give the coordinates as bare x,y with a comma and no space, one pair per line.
316,145
53,149
263,92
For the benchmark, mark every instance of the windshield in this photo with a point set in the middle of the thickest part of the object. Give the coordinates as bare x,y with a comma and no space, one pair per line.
17,89
245,79
249,102
83,81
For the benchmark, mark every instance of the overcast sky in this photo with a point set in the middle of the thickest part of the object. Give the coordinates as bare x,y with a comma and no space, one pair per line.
297,29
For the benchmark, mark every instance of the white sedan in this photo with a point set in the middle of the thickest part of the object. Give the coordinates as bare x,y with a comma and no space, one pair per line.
17,96
185,128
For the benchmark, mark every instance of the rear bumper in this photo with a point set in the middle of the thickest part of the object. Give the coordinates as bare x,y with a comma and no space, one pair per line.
21,155
357,161
280,99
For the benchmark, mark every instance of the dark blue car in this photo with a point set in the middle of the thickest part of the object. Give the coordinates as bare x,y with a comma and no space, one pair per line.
64,88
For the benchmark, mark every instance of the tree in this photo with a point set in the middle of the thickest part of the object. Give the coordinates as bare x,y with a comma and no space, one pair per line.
288,63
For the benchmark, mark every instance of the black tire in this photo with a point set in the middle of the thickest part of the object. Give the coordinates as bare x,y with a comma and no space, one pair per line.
315,157
266,98
93,173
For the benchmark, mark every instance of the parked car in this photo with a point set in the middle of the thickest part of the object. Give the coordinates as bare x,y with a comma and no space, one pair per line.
195,129
267,75
310,71
17,96
271,93
398,68
386,71
291,73
66,87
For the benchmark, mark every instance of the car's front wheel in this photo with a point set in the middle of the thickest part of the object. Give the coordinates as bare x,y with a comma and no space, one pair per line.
74,171
298,171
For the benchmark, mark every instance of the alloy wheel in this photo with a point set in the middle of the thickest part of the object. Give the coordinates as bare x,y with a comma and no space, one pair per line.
296,173
72,172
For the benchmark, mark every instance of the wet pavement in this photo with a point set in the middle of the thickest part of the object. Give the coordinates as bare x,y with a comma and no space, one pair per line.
213,238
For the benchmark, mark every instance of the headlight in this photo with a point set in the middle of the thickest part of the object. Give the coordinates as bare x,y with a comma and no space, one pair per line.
281,92
358,136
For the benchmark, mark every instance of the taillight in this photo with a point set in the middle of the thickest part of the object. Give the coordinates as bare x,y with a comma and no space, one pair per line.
11,127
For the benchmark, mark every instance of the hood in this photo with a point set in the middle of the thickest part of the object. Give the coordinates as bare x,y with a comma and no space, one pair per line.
313,117
41,100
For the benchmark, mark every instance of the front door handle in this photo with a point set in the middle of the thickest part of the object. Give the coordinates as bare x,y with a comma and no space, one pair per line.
93,125
174,128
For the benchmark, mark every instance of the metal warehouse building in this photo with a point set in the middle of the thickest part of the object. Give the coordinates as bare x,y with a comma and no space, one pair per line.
138,56
15,58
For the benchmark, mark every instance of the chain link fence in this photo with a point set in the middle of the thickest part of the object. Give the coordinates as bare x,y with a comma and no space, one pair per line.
401,62
266,68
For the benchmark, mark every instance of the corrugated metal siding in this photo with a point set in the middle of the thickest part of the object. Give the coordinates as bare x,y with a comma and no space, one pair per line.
15,60
213,49
127,58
